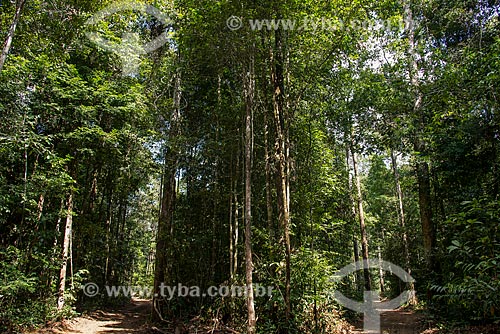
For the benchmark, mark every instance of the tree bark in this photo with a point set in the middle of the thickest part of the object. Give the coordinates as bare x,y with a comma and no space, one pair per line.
248,199
352,219
231,232
236,217
425,205
165,226
109,221
65,249
10,34
355,247
362,226
266,107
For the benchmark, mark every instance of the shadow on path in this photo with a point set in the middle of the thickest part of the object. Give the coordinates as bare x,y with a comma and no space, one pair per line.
131,318
397,322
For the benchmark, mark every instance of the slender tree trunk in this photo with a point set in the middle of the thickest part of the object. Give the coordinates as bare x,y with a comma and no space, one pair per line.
215,230
213,253
402,223
266,107
56,238
280,122
10,34
231,232
67,236
362,226
236,216
231,191
380,270
248,200
41,201
425,205
70,255
269,204
109,221
236,234
355,245
422,167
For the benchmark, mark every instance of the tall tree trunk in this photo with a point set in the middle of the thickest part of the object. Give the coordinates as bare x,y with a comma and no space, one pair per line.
231,232
213,253
266,107
280,122
65,249
249,91
425,205
236,216
165,226
362,226
380,270
355,245
231,191
402,223
109,221
162,238
269,204
10,34
41,201
422,167
215,227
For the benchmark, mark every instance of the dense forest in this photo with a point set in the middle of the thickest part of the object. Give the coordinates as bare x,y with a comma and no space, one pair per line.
254,144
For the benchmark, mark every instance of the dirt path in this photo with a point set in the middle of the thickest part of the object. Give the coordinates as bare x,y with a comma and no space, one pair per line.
131,318
397,322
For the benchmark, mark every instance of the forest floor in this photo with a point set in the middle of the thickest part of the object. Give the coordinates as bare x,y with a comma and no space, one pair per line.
133,318
404,321
398,322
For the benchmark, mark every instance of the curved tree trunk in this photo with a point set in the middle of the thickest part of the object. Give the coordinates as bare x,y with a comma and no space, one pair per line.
10,34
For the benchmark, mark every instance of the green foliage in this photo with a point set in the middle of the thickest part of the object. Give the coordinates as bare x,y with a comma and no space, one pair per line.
473,240
20,302
14,281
